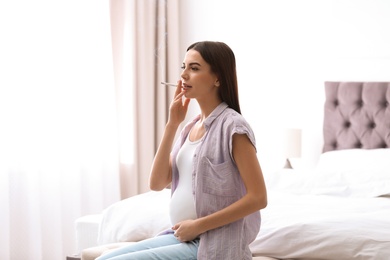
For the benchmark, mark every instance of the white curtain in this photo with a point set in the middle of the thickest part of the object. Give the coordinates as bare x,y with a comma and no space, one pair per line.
58,125
81,112
146,52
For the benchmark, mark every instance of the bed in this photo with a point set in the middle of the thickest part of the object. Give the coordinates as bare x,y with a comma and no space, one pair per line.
338,210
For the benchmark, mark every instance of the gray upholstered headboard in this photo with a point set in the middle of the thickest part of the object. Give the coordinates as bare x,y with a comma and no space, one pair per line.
356,115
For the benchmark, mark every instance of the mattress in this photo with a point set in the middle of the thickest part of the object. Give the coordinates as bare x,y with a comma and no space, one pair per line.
87,228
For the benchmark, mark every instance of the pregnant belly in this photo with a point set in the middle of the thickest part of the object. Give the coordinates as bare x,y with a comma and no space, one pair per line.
182,206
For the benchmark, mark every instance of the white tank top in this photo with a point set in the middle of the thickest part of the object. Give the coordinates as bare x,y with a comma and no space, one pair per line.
182,205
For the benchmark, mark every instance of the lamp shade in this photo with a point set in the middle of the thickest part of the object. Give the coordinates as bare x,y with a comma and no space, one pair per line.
292,142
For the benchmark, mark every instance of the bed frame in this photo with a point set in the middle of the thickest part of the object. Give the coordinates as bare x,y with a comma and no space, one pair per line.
356,115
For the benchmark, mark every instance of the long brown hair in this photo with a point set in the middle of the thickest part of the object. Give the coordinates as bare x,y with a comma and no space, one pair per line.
223,63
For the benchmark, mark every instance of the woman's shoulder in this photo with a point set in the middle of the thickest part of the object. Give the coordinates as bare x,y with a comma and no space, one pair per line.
231,116
234,122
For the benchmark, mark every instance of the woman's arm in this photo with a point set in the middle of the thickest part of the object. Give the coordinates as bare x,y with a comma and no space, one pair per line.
161,171
244,154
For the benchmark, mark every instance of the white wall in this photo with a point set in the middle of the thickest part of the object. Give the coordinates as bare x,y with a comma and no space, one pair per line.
285,50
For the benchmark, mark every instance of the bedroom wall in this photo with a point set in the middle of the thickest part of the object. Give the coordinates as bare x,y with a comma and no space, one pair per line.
285,50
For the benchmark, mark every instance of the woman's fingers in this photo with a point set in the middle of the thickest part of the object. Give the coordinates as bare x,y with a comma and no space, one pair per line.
178,108
178,88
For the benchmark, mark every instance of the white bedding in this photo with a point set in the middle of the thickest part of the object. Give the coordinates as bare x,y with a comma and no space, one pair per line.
310,226
340,210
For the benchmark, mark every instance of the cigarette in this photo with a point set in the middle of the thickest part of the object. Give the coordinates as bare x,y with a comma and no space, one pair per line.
169,84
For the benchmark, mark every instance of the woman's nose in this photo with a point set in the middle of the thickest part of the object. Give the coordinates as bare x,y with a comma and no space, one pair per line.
184,75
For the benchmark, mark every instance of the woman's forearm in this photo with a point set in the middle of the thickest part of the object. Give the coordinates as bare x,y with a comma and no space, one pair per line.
161,172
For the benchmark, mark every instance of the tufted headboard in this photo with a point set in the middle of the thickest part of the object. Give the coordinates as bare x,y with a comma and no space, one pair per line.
356,115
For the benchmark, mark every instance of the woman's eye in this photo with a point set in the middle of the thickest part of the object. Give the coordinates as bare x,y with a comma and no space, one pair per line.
192,68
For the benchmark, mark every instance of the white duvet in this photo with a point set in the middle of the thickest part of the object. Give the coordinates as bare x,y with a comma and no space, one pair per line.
324,227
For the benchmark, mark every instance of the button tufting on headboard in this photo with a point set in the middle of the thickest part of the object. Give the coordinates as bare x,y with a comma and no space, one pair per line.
356,115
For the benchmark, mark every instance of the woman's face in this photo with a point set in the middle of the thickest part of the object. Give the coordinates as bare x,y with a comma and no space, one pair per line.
197,78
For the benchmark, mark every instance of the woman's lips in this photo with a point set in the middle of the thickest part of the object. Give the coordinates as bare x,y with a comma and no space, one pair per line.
185,86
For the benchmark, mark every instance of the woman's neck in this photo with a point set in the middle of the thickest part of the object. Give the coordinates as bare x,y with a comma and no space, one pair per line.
207,107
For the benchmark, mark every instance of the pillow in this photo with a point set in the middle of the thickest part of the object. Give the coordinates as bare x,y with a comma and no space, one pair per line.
135,218
288,180
353,172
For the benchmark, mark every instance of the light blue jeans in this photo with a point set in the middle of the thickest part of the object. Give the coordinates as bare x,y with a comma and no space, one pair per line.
163,247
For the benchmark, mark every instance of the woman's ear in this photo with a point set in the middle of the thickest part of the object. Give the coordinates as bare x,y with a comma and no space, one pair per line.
216,83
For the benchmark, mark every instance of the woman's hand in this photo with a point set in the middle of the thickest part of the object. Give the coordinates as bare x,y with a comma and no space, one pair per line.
161,172
186,230
178,108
